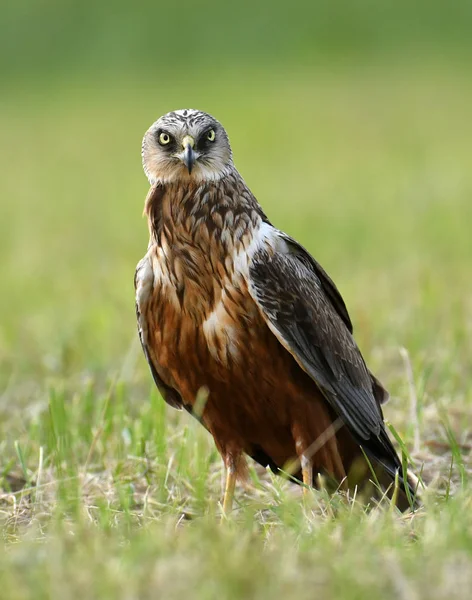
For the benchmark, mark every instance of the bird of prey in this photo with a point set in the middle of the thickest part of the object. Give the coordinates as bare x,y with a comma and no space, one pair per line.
230,305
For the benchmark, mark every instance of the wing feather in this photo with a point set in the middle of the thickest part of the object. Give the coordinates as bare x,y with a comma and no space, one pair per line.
306,313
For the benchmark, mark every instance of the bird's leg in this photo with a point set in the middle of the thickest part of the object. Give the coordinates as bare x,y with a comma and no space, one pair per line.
229,491
232,463
307,472
304,457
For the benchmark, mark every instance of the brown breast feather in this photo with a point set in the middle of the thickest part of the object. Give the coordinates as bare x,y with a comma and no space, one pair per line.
201,328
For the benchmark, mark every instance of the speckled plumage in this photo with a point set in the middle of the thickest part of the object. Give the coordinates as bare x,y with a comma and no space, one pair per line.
229,304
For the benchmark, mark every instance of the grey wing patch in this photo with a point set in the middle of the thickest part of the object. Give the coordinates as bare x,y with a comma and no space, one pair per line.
293,300
143,282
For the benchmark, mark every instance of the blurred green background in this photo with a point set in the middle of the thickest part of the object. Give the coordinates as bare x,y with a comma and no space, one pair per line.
350,121
352,124
58,37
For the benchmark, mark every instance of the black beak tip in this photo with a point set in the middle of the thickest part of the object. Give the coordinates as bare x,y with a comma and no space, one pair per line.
189,158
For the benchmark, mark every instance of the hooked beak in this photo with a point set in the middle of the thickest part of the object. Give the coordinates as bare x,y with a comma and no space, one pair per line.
189,156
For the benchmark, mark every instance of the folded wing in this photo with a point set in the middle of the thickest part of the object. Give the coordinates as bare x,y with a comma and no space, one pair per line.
306,313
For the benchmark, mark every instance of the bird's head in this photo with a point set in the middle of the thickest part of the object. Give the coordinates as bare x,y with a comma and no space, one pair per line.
186,145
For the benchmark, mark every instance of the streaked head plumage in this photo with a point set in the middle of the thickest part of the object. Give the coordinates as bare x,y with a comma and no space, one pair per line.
186,145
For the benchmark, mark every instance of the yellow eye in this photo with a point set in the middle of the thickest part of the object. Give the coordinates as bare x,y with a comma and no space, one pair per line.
164,139
211,135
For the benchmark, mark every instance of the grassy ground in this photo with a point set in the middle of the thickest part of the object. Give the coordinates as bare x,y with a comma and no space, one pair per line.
106,493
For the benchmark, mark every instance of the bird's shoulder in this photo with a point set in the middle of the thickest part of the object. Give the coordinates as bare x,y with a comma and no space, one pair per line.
144,280
271,246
